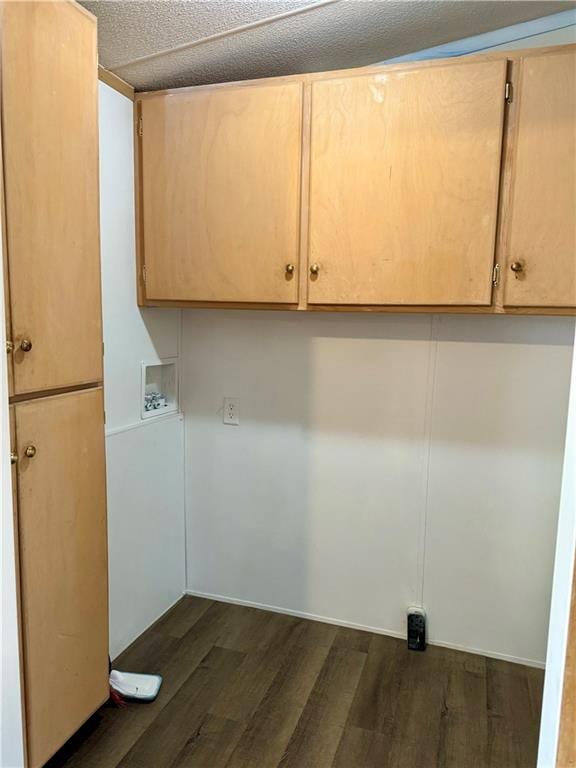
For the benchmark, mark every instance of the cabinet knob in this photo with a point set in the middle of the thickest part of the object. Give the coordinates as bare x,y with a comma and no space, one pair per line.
25,345
314,269
9,346
13,457
290,269
517,267
30,451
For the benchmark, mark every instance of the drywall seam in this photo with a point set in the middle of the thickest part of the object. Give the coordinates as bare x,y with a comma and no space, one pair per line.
184,448
364,628
427,438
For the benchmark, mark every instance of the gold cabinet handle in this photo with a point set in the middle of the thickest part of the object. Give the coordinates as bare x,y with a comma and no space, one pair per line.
13,457
517,267
30,451
290,269
9,346
314,269
25,345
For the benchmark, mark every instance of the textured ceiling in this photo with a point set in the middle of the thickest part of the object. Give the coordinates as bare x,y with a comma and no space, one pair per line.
169,43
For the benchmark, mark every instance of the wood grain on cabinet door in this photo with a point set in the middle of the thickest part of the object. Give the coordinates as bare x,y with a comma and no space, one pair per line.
49,81
14,468
221,191
540,217
566,757
404,186
63,563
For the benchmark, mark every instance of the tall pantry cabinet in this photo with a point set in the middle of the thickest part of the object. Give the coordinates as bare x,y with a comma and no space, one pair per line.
52,278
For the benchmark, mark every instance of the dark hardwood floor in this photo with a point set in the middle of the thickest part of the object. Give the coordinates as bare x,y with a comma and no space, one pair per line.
245,688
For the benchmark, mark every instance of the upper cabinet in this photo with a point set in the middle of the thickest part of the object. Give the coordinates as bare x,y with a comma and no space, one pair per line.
50,154
220,193
404,186
539,214
443,184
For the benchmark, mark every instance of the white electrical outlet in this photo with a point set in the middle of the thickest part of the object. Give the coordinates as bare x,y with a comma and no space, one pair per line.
231,411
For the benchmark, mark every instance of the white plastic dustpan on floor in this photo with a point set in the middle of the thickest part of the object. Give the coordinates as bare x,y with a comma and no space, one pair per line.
133,686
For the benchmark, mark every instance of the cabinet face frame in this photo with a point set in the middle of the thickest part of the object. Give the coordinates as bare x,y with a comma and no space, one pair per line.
50,154
496,307
7,315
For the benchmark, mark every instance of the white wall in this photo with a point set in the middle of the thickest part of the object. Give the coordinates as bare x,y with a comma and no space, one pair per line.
144,459
359,432
500,396
561,595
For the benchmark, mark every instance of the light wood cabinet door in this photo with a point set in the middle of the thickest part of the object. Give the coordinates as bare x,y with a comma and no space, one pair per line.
404,186
220,176
539,256
50,148
63,562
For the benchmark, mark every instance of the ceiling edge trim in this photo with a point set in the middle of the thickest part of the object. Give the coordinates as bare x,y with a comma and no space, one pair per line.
487,40
115,82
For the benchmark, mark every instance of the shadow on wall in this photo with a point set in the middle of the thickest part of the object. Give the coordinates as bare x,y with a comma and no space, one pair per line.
381,461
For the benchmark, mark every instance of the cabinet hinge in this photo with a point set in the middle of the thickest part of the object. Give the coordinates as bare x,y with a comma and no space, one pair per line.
140,128
508,93
496,274
144,273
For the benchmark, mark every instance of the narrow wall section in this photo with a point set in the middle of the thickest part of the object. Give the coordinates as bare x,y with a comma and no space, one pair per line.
144,458
561,595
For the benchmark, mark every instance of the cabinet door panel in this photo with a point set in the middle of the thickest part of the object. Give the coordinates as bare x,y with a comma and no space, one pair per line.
221,194
63,561
404,185
50,135
541,218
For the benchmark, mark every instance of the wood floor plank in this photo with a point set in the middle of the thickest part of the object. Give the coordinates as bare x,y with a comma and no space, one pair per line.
535,679
182,616
100,743
121,728
353,639
211,745
268,732
319,730
245,688
315,633
359,748
250,628
414,730
253,678
463,724
512,740
382,678
179,721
